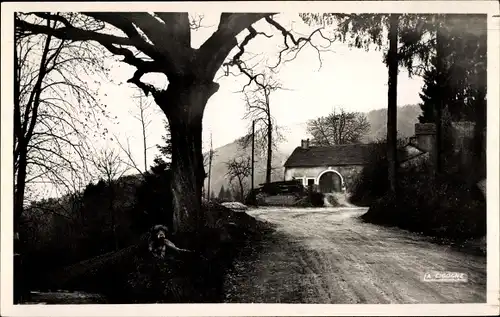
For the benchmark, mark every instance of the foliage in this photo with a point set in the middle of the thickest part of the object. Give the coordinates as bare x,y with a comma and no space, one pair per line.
251,197
316,199
338,128
163,160
447,207
369,31
228,194
222,194
153,203
58,232
464,59
373,183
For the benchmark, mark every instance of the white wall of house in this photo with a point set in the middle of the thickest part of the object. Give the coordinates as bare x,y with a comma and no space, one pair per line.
347,173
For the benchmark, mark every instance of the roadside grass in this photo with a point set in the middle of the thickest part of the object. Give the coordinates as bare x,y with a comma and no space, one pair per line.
133,275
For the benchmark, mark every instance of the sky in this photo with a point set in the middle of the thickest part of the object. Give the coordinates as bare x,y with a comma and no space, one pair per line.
350,78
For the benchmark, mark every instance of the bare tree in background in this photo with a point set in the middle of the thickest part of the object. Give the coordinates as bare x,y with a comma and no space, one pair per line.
207,160
144,118
258,110
54,110
239,169
160,42
143,115
338,128
110,167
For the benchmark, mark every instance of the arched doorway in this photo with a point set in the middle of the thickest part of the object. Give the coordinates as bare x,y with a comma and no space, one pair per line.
329,182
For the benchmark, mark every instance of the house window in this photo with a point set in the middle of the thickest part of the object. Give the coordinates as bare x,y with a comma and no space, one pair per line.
310,182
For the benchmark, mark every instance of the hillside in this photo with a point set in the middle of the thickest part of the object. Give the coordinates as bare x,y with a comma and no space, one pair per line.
407,117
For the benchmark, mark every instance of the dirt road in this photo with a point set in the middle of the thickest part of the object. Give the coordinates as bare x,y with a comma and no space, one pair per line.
330,256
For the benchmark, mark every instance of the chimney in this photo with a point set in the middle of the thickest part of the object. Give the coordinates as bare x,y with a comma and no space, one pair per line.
425,135
304,144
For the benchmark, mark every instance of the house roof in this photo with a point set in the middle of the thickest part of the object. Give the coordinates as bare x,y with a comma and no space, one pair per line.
346,154
409,152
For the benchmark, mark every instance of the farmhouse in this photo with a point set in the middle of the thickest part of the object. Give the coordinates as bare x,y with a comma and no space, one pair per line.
328,168
335,168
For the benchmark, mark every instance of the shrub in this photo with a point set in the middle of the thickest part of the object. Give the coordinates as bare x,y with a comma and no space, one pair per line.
153,200
332,200
372,183
251,198
317,199
446,207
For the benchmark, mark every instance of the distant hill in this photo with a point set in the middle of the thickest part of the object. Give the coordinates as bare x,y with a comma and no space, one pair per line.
407,117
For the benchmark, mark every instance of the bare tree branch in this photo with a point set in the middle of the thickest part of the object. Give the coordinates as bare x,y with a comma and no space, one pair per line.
338,128
239,169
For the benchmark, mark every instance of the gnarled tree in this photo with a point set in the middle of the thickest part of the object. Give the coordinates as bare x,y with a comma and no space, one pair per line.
162,41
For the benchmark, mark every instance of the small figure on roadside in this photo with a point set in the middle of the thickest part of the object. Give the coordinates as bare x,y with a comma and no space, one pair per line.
159,243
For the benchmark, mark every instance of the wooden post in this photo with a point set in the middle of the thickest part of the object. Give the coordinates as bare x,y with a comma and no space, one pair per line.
253,152
210,155
392,106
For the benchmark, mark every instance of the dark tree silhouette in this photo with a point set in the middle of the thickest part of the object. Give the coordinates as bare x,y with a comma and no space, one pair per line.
222,193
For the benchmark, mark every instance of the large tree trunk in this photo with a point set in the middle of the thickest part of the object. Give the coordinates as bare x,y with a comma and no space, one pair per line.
392,106
21,290
183,104
19,191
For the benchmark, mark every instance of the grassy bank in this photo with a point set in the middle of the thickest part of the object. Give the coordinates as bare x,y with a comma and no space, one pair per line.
133,275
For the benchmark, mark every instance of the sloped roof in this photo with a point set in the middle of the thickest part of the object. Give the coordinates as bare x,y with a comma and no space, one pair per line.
408,152
346,154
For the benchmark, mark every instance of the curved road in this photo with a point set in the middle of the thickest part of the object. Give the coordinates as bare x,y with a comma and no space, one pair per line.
330,256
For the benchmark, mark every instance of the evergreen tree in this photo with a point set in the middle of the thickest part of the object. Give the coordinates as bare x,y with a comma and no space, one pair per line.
462,83
162,161
450,87
222,193
228,195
